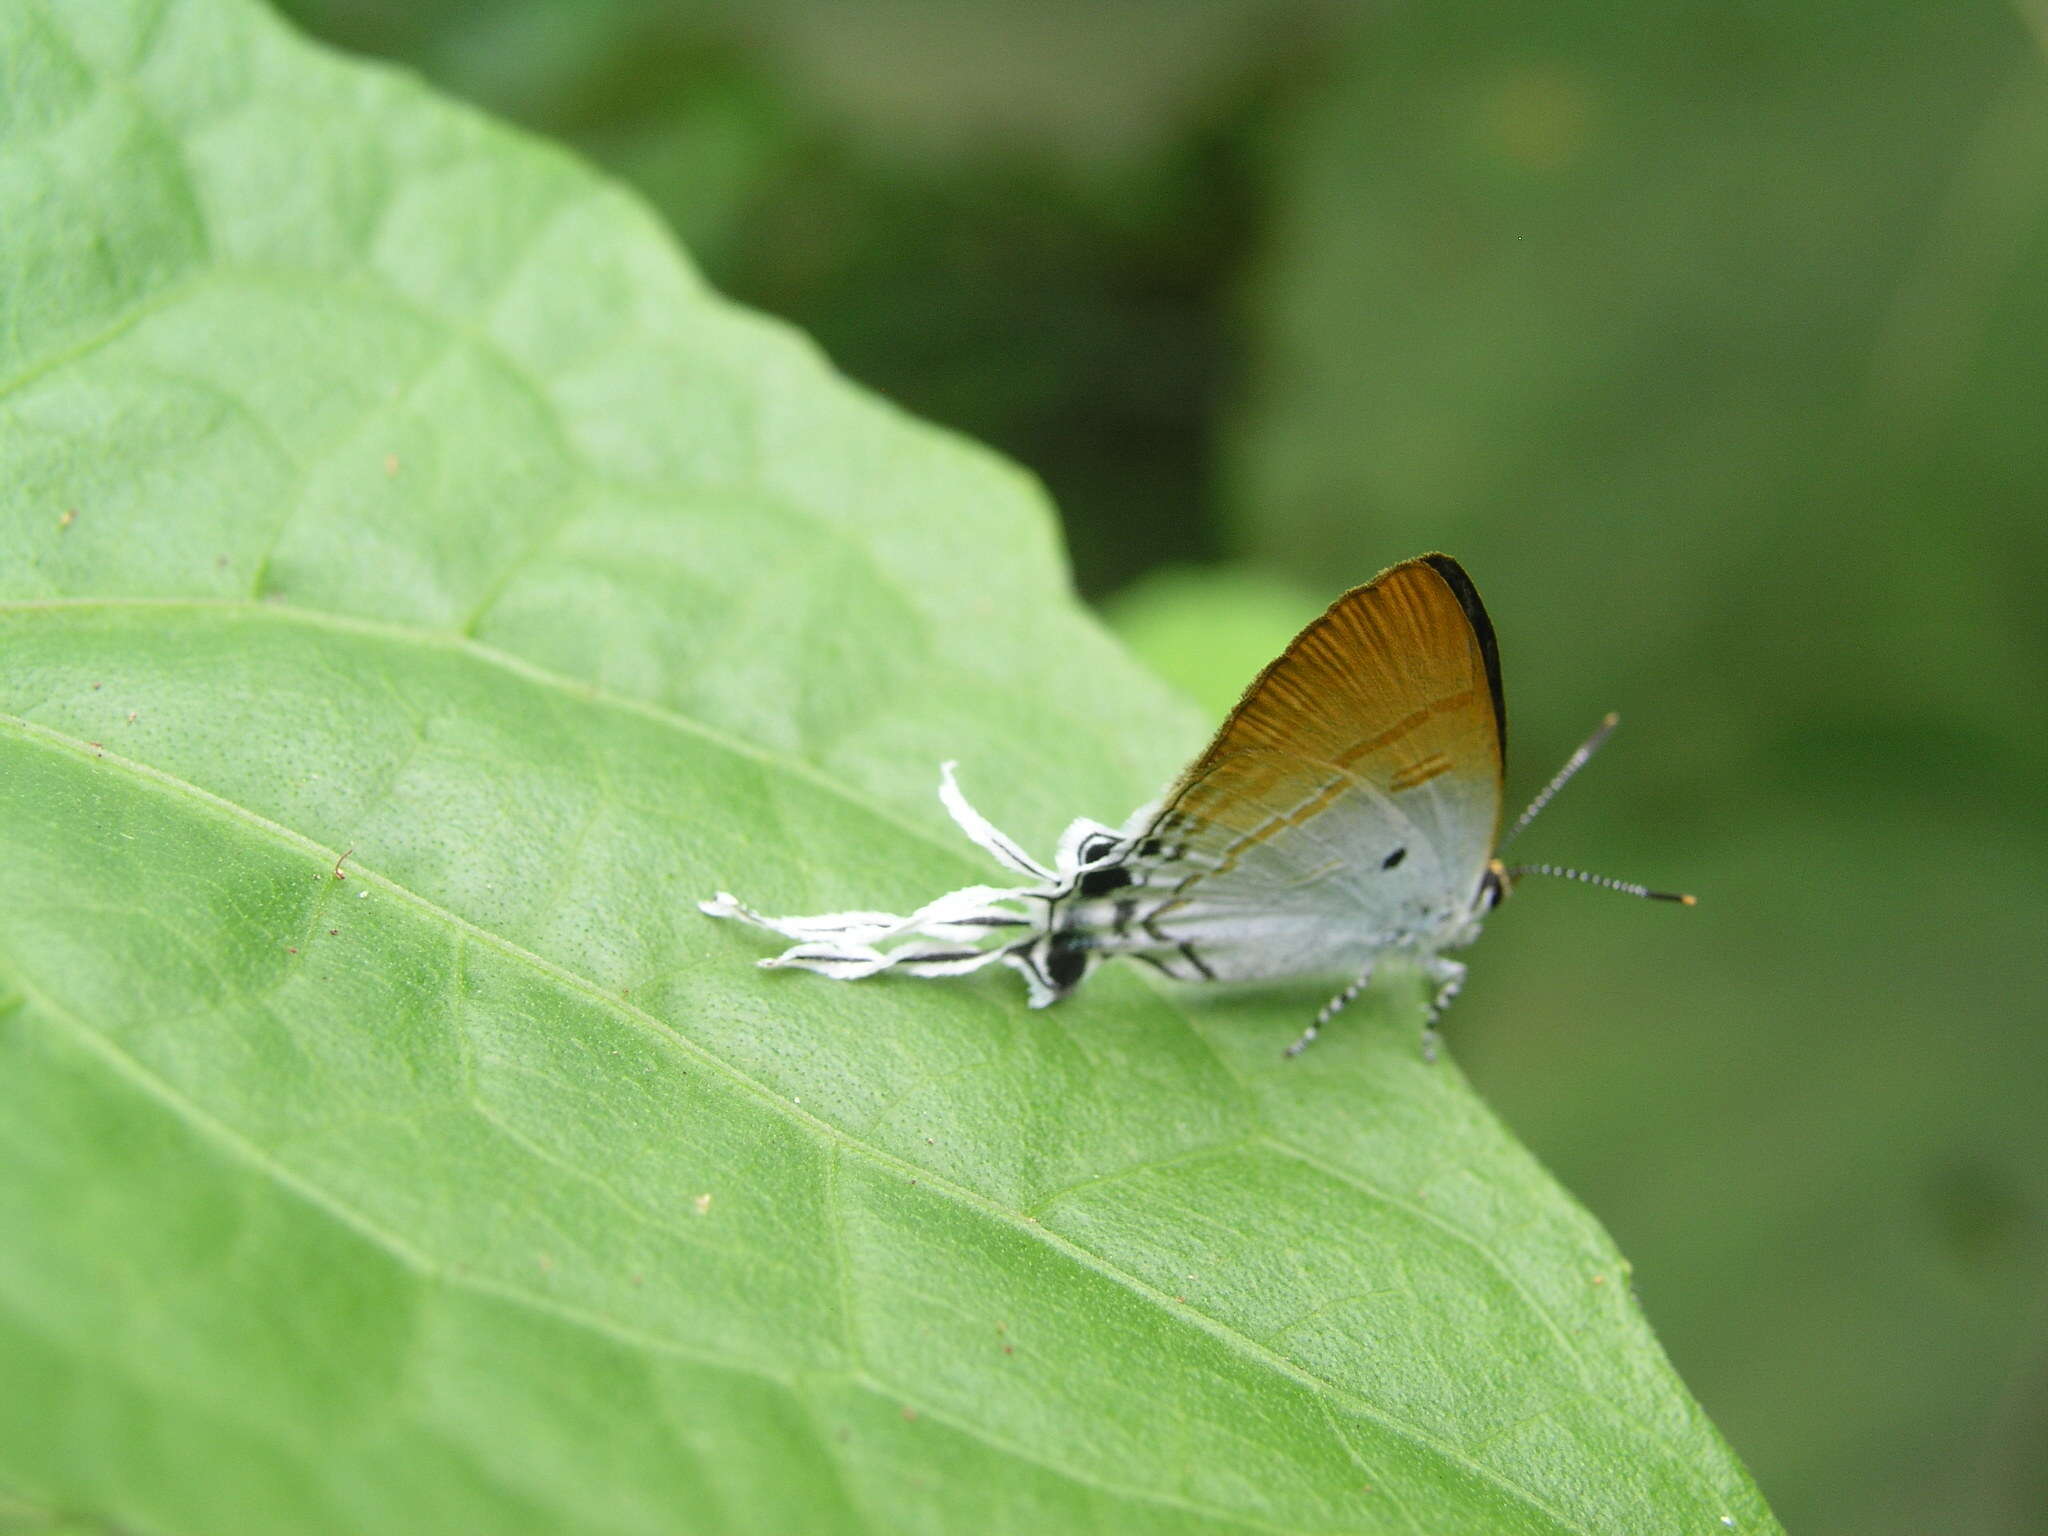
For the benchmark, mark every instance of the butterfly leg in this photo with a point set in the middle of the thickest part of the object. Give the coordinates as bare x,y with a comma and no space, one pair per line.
1449,976
1330,1010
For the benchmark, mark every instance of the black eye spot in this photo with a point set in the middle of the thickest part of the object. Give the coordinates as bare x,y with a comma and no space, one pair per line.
1095,847
1066,957
1099,882
1393,860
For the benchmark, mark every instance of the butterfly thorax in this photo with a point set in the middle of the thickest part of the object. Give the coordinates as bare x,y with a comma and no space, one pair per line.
1142,897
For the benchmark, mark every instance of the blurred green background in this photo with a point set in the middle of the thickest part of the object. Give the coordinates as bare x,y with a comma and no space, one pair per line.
1714,340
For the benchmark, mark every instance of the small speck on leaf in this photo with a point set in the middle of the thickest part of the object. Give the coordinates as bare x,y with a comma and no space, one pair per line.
703,1204
390,466
909,1415
70,516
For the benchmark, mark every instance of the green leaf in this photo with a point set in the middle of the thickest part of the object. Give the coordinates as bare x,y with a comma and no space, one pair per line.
418,591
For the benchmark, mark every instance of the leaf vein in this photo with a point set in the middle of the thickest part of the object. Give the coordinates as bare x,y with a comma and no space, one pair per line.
424,1265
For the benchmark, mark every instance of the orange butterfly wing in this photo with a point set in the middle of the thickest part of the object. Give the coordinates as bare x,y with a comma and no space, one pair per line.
1352,799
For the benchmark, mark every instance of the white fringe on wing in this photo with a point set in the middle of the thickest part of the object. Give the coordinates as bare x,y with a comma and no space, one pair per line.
959,932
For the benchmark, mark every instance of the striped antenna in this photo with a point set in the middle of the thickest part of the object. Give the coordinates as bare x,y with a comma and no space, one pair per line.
1626,887
1562,777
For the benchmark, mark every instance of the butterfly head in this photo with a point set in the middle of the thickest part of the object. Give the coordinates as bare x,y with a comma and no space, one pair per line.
1462,928
1495,886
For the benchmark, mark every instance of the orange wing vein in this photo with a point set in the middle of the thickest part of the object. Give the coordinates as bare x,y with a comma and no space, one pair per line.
1396,685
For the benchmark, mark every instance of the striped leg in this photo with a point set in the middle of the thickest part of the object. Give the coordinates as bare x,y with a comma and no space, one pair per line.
1449,976
1330,1010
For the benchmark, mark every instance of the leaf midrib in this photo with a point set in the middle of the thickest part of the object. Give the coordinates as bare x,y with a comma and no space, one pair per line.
409,634
1218,1329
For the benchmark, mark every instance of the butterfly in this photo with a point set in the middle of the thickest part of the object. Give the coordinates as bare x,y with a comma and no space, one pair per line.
1347,810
